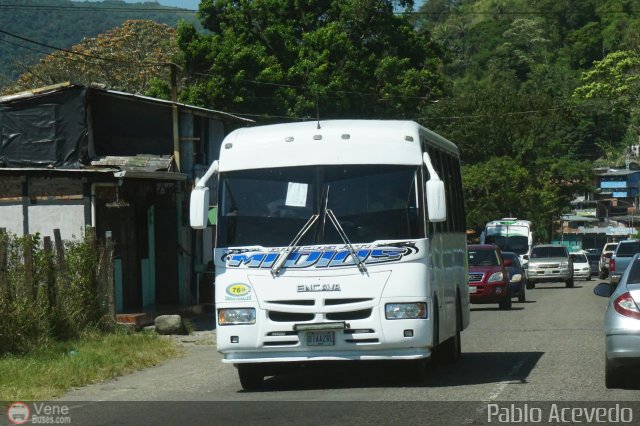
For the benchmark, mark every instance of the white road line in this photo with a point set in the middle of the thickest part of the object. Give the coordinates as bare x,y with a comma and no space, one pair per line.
496,391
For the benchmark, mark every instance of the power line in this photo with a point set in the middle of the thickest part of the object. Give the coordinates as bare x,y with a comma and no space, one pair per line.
24,47
72,52
97,9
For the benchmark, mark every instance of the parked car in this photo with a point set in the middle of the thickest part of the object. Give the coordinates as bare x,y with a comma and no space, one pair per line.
605,255
594,263
549,262
581,266
621,258
622,326
517,276
488,276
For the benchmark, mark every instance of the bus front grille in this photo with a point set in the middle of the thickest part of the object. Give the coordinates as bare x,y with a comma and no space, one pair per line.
278,316
349,315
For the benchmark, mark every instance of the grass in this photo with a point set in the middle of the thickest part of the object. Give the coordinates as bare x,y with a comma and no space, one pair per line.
49,372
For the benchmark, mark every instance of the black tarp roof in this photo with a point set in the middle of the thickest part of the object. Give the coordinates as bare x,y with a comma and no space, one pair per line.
50,127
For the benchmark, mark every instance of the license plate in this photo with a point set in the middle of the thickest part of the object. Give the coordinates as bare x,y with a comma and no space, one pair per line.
473,289
321,338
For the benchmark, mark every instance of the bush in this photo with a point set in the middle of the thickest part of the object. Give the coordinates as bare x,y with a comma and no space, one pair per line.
44,296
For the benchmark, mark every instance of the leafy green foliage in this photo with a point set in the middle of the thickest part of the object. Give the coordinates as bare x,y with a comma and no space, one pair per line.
529,124
351,58
59,304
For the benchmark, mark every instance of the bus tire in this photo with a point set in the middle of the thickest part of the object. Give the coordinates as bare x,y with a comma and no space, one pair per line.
450,350
251,376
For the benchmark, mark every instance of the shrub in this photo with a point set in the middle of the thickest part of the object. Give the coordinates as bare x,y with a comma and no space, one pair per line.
44,296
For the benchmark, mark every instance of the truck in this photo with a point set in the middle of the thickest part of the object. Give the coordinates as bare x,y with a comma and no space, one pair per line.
337,240
621,258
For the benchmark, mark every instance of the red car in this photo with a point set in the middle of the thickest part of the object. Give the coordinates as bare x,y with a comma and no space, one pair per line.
488,276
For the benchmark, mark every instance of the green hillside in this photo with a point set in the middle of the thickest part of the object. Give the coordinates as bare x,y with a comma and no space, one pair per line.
63,23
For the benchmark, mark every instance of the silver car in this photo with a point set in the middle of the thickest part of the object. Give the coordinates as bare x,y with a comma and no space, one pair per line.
622,325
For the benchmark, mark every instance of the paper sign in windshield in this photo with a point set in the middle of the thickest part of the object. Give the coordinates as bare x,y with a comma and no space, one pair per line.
297,194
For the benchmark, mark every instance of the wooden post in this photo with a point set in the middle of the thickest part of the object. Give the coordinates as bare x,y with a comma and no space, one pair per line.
4,283
107,262
30,286
62,268
50,277
90,235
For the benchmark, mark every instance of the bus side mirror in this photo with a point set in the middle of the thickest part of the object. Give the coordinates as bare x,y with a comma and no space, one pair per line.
436,201
199,207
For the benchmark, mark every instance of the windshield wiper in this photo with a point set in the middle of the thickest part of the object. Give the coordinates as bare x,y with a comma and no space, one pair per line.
292,245
345,239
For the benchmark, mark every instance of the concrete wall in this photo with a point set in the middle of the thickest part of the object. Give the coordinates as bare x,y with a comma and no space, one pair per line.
11,218
68,218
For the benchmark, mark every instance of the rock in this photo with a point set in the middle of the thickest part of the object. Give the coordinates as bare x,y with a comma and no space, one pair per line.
169,324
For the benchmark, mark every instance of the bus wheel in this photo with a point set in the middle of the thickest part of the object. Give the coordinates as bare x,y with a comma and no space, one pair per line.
251,376
450,350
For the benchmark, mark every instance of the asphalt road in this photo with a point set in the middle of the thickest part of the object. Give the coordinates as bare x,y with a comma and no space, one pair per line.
545,351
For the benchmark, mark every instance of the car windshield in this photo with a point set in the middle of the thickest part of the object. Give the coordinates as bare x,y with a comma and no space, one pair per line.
580,258
548,251
483,258
610,247
268,207
628,248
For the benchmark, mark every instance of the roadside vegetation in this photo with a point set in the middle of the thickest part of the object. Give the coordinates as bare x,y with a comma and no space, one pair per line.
55,328
57,367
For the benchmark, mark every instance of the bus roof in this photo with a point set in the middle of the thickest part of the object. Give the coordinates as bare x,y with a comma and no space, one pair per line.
509,221
328,142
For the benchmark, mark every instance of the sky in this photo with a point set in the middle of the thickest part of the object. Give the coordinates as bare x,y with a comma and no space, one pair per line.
185,4
193,4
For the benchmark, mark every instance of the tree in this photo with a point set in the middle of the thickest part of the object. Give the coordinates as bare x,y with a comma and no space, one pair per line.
299,59
128,58
616,80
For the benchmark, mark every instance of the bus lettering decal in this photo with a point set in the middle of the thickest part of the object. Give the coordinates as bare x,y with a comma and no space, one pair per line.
251,260
318,258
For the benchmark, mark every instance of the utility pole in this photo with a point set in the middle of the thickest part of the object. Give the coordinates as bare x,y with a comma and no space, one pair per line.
175,116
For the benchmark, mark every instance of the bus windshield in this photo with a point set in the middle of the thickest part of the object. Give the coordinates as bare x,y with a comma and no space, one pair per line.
267,207
515,243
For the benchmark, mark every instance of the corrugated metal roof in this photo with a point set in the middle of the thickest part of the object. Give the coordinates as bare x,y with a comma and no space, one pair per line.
621,172
576,218
140,163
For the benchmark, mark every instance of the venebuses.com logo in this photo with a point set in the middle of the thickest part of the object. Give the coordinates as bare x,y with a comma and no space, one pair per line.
18,413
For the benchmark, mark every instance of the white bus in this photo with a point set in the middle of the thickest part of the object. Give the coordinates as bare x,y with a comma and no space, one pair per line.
510,234
336,240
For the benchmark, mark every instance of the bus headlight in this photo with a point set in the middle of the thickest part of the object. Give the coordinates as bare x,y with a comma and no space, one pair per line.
236,316
416,310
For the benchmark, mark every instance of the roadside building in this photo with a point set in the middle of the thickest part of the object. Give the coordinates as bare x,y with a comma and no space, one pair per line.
74,156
